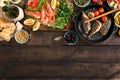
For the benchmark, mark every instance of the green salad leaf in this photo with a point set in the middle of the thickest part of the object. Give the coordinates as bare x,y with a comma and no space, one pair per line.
63,14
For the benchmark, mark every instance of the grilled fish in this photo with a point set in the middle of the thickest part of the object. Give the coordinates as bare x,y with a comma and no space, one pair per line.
86,26
105,27
95,28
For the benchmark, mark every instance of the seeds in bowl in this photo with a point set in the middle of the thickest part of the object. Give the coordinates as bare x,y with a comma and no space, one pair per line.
21,36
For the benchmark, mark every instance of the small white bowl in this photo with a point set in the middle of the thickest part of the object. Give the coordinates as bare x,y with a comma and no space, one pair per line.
27,38
15,2
86,4
21,14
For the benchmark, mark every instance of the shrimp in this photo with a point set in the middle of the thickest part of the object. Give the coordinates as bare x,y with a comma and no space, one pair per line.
43,12
44,21
47,14
44,18
33,14
51,19
49,9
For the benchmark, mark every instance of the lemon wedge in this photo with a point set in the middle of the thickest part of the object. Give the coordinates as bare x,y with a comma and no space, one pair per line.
29,22
53,4
36,26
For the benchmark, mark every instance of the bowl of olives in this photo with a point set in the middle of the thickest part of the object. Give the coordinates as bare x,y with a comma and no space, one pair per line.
70,38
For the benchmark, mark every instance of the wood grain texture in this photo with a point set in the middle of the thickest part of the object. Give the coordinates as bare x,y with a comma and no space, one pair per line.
42,58
47,38
84,54
67,62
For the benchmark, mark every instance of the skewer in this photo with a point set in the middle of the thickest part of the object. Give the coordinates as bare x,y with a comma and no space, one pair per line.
109,12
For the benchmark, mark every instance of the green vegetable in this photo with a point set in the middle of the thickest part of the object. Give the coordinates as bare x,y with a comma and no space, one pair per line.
63,15
40,4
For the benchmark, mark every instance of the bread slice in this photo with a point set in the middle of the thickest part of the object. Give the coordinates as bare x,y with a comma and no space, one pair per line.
1,23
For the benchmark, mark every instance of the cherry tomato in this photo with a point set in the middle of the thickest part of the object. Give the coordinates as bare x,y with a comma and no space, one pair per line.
100,2
101,10
96,13
104,19
94,1
34,4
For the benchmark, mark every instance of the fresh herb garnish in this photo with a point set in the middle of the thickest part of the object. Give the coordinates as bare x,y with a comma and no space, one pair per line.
63,14
40,4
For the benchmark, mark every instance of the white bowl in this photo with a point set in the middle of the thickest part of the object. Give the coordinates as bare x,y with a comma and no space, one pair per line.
27,38
15,2
21,14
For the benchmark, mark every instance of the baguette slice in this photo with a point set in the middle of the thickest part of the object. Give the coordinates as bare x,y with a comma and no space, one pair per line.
2,23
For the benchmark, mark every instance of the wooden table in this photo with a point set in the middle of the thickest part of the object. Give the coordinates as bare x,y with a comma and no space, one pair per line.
42,58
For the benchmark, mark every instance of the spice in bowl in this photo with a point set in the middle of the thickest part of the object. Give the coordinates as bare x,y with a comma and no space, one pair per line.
70,38
21,36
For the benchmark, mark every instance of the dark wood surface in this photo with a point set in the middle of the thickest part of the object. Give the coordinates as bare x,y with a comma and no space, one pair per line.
42,58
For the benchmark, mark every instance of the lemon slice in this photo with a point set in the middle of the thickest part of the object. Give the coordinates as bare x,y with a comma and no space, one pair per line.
36,26
53,4
29,22
15,1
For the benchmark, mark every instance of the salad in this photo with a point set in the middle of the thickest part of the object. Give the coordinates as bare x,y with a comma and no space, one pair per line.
52,13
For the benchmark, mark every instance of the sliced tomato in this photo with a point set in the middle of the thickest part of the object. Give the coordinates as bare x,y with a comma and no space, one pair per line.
104,19
33,4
